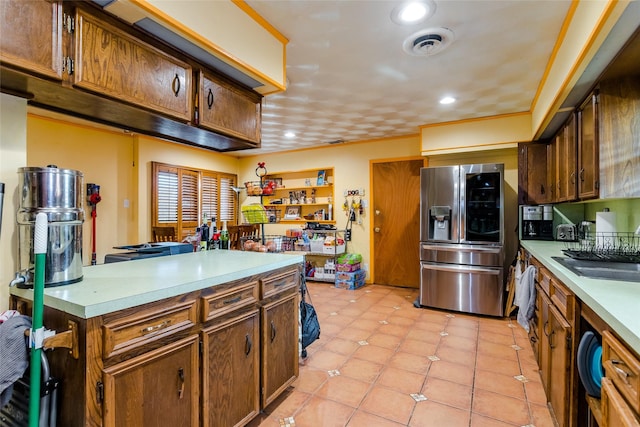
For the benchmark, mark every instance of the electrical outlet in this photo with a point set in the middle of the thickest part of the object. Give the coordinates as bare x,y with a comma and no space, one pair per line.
361,192
365,266
347,235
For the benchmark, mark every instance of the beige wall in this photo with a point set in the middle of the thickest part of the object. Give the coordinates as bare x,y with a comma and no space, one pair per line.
121,164
105,158
351,164
155,150
13,154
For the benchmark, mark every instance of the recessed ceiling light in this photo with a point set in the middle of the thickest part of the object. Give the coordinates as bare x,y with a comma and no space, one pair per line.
413,12
447,100
289,134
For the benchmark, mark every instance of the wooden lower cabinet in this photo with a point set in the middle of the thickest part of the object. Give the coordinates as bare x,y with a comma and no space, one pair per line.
552,338
279,358
615,410
560,365
209,357
159,388
231,371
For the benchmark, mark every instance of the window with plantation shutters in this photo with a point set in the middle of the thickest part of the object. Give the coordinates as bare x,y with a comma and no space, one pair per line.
181,196
210,195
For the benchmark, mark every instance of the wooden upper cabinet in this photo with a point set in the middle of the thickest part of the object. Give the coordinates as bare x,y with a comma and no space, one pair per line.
32,36
588,146
620,137
111,62
565,161
229,109
533,179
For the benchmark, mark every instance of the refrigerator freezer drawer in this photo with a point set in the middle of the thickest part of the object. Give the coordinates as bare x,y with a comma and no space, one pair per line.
462,254
462,288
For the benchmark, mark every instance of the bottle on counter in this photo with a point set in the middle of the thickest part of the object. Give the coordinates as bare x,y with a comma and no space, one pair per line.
204,234
224,236
214,236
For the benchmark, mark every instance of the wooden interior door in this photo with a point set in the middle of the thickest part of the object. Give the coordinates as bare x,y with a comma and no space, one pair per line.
395,213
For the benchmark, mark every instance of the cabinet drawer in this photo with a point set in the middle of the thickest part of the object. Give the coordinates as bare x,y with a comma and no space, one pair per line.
544,279
278,283
146,326
562,298
228,299
623,368
615,411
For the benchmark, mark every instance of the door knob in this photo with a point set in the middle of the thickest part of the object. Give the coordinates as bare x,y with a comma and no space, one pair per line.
377,229
377,212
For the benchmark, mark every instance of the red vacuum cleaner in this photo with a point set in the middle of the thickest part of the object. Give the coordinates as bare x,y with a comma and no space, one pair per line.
93,198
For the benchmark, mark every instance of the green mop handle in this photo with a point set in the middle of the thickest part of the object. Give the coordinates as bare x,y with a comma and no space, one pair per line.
37,331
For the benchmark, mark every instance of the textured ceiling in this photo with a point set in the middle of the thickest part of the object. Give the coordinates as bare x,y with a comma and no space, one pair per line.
349,78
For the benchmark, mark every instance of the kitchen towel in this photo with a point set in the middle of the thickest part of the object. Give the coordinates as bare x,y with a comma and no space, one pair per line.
605,227
527,296
13,353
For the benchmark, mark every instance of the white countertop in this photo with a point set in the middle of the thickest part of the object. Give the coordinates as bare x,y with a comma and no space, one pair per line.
111,287
616,302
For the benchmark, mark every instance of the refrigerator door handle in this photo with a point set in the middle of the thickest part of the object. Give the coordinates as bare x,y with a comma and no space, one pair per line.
461,268
491,250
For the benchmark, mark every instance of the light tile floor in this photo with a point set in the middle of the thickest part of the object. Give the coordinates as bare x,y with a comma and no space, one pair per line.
382,362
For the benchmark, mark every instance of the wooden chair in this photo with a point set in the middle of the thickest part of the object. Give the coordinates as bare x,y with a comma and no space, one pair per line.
164,234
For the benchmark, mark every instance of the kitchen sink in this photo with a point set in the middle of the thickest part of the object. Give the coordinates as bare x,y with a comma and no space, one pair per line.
626,272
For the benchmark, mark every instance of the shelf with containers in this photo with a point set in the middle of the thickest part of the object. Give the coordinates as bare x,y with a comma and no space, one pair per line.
321,253
301,196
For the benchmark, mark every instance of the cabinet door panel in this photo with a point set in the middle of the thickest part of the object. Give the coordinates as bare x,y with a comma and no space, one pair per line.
225,108
279,347
545,350
159,388
231,363
559,340
571,150
532,173
588,160
32,36
112,63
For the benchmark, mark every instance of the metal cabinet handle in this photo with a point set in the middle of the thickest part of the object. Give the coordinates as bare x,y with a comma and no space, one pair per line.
180,383
624,375
232,300
155,327
551,335
377,229
210,99
175,85
582,174
273,331
247,345
573,177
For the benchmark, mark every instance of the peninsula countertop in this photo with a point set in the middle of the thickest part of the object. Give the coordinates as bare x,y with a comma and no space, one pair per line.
616,302
106,288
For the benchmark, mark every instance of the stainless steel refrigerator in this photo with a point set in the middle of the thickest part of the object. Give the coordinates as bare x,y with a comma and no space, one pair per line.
462,238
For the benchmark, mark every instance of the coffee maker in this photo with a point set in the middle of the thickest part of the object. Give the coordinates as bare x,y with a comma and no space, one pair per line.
535,222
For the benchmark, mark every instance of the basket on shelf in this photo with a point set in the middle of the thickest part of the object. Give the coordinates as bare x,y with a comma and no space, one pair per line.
255,213
259,188
267,243
273,214
612,247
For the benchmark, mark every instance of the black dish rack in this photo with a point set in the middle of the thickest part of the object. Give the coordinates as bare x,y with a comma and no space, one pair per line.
606,247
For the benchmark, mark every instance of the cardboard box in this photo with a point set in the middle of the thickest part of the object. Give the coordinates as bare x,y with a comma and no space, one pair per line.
348,267
330,250
348,284
351,276
316,245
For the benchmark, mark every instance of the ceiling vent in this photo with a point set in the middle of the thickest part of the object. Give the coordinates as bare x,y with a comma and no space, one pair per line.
428,42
